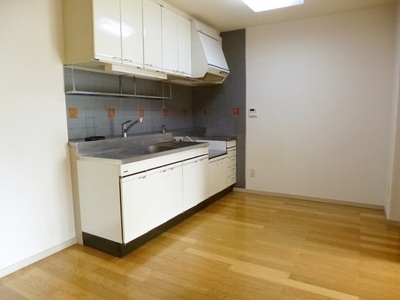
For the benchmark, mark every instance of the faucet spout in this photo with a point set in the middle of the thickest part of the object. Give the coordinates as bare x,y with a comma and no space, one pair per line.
125,127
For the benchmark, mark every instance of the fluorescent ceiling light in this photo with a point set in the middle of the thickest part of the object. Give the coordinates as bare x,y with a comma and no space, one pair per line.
261,5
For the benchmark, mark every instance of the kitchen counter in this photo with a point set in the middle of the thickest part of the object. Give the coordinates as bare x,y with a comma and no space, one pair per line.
139,153
131,149
218,138
206,137
118,150
217,145
116,169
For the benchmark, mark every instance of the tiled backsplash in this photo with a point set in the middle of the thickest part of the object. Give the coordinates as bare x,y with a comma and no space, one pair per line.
103,115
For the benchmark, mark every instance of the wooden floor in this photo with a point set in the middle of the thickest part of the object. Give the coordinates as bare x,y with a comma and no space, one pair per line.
242,247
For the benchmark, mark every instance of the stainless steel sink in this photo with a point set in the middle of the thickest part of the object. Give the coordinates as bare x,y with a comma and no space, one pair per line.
147,151
158,148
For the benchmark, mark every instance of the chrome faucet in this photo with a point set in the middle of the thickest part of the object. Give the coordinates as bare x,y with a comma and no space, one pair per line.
163,129
126,128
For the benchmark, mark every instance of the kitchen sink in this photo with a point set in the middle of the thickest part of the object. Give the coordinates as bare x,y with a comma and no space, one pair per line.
133,149
146,150
138,152
158,148
143,150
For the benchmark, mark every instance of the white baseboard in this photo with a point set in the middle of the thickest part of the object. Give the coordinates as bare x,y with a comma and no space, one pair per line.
392,222
26,262
315,199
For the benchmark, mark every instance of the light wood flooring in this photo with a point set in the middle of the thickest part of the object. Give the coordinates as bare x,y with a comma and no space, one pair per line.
244,246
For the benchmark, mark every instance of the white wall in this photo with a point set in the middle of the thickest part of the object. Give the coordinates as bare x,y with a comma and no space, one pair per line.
324,91
36,215
393,206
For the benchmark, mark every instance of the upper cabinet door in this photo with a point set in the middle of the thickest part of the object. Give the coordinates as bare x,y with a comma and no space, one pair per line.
132,32
184,46
107,30
170,41
152,35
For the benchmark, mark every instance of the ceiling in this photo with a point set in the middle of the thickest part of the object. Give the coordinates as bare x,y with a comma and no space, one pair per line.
227,15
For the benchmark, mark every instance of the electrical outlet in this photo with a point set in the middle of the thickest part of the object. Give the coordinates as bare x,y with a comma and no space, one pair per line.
252,173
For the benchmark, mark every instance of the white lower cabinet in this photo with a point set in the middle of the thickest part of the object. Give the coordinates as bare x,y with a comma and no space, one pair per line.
156,186
164,194
134,206
217,179
149,199
120,203
222,172
174,201
195,181
231,165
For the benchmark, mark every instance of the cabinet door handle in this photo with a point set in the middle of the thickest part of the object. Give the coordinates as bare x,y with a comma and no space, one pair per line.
109,56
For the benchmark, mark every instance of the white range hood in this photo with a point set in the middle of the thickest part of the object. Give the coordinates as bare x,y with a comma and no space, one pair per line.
208,60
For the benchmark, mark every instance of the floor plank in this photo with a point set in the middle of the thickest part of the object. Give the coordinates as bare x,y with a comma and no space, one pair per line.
244,246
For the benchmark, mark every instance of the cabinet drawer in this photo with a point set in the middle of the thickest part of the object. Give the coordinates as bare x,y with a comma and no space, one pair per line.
147,164
232,152
232,161
231,180
231,171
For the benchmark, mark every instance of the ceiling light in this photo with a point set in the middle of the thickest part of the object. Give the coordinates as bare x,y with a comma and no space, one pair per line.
261,5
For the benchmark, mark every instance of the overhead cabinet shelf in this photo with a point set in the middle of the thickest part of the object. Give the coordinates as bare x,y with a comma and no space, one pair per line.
125,86
116,95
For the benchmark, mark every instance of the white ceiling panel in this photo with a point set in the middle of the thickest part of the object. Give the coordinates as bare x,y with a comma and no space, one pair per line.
227,15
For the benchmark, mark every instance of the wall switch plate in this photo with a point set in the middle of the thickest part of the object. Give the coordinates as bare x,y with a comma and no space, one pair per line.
253,112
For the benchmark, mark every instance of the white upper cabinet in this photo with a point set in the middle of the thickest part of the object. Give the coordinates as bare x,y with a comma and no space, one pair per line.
184,46
170,41
176,43
132,32
107,30
152,35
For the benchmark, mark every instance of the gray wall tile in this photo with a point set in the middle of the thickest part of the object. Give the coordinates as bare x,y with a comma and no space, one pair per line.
93,116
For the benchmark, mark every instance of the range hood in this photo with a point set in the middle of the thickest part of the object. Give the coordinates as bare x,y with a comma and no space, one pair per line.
208,60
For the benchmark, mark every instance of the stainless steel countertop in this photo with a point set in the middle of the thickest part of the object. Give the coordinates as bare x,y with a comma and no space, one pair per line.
112,143
137,153
120,150
217,138
210,138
